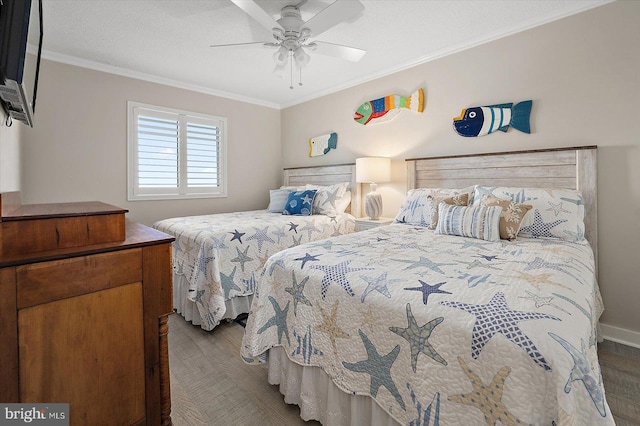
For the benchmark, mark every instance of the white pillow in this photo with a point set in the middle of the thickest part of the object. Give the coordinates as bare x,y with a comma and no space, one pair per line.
556,212
341,206
415,208
327,198
277,200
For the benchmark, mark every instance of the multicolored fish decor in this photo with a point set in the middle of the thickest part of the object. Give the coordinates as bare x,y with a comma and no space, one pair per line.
384,109
480,121
320,145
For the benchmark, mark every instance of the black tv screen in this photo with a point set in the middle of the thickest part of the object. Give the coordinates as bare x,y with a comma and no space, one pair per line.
20,25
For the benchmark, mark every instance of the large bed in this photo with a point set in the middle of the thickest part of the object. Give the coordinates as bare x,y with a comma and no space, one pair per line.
404,324
217,258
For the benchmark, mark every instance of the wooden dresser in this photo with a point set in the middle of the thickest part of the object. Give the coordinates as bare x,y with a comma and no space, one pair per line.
84,300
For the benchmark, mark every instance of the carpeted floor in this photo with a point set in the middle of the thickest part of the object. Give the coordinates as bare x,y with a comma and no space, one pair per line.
620,366
211,385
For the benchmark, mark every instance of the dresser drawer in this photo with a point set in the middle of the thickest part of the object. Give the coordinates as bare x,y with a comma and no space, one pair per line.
48,281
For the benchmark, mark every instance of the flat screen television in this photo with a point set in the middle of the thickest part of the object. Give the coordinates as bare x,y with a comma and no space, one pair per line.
20,23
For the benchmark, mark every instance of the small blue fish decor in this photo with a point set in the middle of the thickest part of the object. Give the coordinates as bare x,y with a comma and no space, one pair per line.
480,121
320,145
384,109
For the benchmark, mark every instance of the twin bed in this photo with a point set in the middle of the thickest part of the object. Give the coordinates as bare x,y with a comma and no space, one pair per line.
404,324
218,258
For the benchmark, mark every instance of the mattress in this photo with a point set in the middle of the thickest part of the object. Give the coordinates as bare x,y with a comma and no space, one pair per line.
219,257
437,329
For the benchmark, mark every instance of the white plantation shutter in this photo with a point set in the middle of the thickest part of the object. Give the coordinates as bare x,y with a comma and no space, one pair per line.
175,154
158,142
202,155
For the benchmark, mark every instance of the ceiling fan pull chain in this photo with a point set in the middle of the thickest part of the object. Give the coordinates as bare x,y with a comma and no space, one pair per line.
291,73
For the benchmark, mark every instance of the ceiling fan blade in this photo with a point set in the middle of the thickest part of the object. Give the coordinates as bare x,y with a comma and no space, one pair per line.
347,53
252,9
336,12
251,43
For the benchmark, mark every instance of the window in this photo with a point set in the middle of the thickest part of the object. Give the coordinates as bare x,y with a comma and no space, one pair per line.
175,154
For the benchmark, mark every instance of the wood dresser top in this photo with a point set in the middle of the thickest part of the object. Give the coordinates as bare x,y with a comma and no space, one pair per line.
45,211
138,235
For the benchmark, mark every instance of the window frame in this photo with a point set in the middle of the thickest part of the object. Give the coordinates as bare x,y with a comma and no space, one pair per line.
182,191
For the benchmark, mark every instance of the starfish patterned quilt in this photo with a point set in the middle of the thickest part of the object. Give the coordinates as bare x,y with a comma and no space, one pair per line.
222,254
440,329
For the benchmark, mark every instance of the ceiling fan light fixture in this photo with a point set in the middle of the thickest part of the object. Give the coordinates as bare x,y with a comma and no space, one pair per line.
281,56
279,70
301,56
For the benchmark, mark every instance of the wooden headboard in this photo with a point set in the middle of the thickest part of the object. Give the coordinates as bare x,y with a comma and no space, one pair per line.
327,175
571,168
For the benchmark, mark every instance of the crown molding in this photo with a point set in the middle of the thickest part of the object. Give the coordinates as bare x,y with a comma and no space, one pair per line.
97,66
72,60
443,53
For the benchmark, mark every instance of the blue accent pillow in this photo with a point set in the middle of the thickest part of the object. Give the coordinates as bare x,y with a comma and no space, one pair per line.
299,203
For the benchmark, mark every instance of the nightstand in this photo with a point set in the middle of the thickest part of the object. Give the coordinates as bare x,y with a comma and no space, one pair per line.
366,223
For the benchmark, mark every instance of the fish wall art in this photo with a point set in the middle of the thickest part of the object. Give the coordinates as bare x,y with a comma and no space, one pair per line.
384,109
320,145
480,121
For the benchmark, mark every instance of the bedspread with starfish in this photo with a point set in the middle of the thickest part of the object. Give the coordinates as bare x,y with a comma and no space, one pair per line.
222,254
441,329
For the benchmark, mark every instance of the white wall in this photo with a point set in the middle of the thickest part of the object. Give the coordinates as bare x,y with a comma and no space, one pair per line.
77,150
9,155
582,74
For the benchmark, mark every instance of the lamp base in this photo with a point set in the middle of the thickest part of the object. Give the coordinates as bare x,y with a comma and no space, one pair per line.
373,205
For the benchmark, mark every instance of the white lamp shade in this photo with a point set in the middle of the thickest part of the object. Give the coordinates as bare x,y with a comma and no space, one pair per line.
373,169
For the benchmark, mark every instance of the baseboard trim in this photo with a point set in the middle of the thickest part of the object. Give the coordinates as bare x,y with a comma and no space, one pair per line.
620,335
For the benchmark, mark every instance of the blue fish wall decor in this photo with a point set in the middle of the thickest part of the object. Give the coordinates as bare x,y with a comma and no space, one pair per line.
480,121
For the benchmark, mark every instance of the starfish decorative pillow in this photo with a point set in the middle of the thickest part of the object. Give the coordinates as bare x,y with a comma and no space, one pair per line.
299,203
555,213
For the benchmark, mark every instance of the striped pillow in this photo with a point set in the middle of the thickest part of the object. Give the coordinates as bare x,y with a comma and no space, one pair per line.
475,222
434,202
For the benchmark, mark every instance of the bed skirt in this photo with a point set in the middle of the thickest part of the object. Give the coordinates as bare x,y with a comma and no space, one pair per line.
189,310
318,398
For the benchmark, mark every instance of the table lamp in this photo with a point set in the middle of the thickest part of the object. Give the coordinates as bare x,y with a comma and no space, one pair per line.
373,170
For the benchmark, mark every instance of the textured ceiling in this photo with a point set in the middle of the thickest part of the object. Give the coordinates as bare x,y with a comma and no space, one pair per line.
168,41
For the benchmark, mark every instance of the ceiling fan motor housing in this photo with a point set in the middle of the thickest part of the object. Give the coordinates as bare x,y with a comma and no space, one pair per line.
291,18
294,34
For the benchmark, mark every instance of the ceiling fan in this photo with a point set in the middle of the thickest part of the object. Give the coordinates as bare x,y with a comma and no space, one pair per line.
292,35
